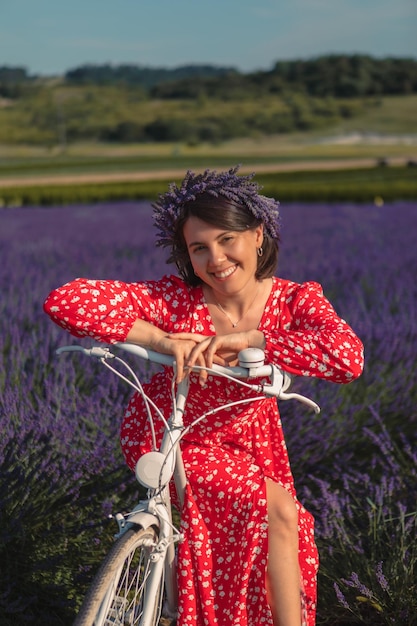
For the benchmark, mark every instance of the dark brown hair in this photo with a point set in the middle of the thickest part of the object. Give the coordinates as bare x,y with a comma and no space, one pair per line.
222,213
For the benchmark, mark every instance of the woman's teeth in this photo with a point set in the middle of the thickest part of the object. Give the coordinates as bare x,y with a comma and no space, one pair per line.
225,273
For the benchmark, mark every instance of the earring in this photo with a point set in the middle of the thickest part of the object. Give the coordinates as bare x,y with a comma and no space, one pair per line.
260,251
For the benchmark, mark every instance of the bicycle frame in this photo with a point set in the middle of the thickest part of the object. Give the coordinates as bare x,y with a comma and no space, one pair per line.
155,469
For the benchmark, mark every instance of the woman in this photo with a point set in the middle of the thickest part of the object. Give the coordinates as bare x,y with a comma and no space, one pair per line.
249,556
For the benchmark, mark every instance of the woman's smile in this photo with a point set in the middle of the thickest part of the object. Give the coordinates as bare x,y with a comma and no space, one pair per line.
223,274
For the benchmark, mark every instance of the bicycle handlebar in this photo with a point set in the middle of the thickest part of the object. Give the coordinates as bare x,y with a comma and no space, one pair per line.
168,360
251,365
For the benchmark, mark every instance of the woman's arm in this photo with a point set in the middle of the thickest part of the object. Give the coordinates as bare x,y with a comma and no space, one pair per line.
104,310
112,311
315,341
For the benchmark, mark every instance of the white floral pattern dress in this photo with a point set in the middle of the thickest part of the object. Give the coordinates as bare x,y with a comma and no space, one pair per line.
228,456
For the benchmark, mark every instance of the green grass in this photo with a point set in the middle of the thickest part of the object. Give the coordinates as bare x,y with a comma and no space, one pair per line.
394,115
72,164
377,184
98,158
30,131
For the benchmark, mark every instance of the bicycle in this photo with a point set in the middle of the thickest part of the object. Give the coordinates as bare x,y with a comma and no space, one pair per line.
136,583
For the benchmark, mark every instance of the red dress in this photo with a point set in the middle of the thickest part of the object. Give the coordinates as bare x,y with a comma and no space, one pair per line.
228,456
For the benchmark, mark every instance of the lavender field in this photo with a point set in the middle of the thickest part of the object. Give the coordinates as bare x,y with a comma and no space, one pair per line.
355,464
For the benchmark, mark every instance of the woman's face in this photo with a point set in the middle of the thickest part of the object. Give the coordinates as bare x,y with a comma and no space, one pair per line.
224,260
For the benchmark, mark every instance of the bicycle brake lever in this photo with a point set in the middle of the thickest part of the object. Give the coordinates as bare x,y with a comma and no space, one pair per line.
297,396
96,351
280,382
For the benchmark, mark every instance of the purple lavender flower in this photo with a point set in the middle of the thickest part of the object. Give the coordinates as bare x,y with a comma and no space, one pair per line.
340,597
381,578
354,582
239,189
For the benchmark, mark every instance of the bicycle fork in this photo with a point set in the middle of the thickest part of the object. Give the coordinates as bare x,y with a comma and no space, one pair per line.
161,565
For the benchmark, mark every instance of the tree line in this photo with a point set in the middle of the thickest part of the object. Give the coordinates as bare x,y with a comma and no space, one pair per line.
336,76
340,76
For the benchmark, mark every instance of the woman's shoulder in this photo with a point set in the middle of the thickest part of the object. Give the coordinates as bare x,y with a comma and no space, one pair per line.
291,293
291,288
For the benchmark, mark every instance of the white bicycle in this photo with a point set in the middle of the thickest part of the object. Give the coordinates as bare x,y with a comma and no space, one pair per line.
137,583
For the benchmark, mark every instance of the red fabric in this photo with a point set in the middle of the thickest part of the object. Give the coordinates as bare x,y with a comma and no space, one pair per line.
228,456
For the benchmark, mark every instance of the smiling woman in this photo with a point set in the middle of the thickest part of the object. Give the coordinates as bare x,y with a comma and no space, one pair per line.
223,236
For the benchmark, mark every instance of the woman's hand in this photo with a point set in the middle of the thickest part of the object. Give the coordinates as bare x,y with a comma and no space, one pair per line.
220,349
181,348
189,349
150,336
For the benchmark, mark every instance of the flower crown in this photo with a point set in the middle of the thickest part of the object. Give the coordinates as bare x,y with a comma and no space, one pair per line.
239,189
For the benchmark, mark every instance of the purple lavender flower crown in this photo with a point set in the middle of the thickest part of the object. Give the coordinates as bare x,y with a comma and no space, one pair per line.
238,189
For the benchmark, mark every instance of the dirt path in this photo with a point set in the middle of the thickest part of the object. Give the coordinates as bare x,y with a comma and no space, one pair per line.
171,174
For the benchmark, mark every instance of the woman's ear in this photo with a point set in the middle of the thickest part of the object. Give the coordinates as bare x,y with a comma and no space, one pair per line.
259,232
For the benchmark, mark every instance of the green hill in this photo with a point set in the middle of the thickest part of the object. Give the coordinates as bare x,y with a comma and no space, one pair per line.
197,104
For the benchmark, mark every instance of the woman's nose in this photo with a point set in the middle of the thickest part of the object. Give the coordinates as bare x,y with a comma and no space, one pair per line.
216,255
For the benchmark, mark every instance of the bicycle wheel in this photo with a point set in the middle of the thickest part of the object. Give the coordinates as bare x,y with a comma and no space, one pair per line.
119,593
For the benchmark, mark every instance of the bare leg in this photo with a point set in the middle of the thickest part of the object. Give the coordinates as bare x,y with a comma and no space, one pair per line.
283,574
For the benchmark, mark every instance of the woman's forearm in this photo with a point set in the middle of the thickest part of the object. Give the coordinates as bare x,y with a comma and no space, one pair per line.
145,334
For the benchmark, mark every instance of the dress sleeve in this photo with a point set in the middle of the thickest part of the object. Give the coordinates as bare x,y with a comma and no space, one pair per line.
105,310
314,340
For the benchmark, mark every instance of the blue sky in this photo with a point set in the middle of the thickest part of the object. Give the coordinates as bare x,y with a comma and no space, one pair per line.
51,36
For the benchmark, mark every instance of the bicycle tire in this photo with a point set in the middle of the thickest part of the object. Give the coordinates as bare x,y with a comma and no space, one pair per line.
116,595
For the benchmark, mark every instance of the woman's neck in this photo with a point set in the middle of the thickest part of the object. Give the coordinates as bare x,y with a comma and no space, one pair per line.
238,310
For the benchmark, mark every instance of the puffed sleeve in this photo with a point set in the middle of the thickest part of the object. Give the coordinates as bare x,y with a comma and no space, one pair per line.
314,340
105,310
